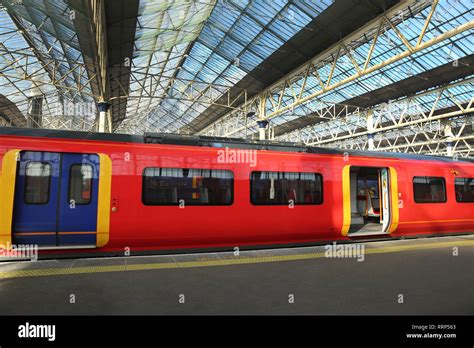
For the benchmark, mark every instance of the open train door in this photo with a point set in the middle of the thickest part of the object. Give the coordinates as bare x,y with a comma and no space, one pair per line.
370,197
385,211
61,200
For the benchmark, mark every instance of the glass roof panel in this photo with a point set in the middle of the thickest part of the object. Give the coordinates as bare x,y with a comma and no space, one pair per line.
389,45
238,35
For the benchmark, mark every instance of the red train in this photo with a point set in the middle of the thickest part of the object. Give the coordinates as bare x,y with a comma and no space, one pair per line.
93,193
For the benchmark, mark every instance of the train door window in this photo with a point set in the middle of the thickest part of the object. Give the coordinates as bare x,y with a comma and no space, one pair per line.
80,183
283,188
428,189
187,186
37,182
464,189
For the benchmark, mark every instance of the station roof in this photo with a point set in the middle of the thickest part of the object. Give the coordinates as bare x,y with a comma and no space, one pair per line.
184,66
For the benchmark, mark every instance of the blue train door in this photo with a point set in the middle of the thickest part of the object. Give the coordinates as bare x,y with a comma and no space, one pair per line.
36,198
77,204
56,199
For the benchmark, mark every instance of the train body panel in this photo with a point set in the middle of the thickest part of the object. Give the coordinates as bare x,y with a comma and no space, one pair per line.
139,226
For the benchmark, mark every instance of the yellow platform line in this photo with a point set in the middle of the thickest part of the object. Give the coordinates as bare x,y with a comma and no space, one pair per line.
219,262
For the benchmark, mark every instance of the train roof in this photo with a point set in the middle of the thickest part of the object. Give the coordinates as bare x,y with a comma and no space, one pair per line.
216,142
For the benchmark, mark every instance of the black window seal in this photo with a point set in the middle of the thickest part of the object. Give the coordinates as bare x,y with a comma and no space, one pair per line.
431,202
457,201
69,183
186,204
49,182
285,204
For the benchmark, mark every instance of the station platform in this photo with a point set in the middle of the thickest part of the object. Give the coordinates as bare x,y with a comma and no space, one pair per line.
425,276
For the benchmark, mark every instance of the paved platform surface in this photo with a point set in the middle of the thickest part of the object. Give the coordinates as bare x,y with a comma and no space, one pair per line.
424,273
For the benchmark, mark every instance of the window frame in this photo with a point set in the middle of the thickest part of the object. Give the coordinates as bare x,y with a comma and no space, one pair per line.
430,202
69,183
192,204
26,182
286,204
455,190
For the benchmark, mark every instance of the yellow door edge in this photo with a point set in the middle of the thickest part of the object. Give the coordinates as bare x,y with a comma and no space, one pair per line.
7,196
346,200
103,206
394,198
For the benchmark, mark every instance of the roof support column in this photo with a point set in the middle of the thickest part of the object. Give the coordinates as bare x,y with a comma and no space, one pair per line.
35,107
449,149
99,28
35,112
103,110
262,125
448,133
370,130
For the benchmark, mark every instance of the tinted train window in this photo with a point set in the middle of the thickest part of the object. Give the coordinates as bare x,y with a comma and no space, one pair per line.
464,188
175,186
37,181
282,188
428,189
80,183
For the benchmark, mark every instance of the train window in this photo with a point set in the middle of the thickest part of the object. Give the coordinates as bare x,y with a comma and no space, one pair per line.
464,188
180,186
283,188
428,189
37,182
80,183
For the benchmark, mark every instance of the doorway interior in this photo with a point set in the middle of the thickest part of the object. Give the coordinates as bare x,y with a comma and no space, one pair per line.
370,200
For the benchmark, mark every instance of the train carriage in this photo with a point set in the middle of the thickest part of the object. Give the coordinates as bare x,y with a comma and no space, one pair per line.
100,193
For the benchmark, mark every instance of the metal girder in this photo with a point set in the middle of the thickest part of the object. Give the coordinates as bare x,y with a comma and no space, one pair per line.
48,47
40,57
165,33
422,143
325,111
185,90
289,93
412,124
421,108
312,39
157,80
51,71
20,66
